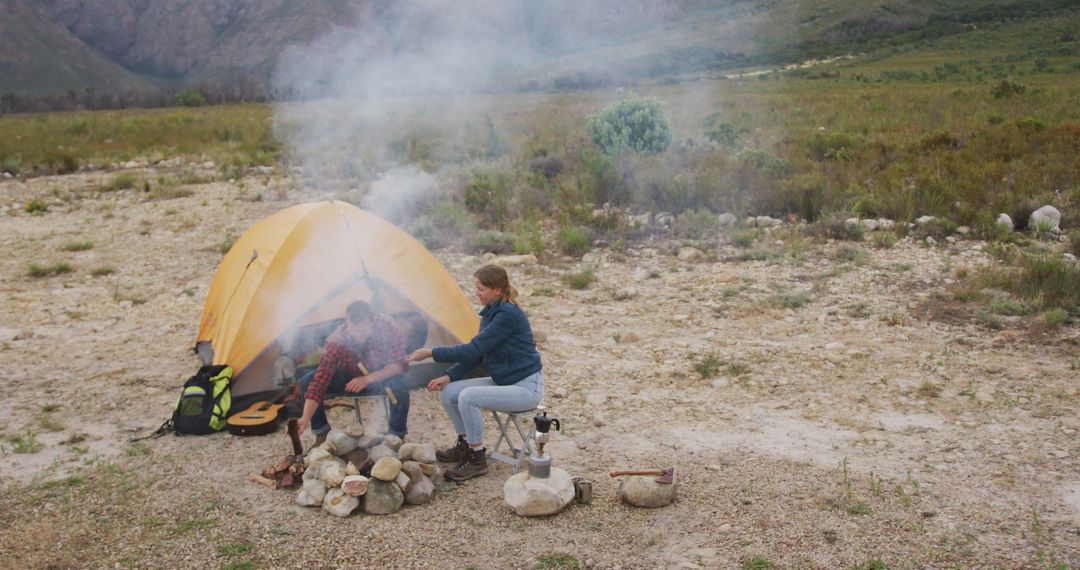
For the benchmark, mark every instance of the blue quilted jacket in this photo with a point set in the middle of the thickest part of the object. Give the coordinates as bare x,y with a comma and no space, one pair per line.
504,346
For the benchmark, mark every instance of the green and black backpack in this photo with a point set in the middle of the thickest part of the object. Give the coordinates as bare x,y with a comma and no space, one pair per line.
204,402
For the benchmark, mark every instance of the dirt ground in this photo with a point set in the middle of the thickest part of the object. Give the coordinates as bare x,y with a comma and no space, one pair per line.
853,416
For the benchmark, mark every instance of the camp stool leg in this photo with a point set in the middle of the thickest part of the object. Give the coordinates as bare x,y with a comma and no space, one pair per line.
378,397
506,420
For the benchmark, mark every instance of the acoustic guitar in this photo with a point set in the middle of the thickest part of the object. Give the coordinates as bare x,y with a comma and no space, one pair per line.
261,417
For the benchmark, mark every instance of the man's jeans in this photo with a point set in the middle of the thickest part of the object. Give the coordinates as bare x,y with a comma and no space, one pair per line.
464,399
399,414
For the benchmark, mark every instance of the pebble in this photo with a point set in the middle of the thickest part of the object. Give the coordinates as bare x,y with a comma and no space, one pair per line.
559,393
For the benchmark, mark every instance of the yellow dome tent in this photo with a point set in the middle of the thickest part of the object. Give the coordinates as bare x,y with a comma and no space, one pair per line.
298,269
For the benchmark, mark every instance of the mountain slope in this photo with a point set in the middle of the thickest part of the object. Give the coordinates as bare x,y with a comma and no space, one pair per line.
39,56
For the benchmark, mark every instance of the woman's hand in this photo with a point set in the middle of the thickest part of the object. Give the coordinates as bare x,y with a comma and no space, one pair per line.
438,383
420,354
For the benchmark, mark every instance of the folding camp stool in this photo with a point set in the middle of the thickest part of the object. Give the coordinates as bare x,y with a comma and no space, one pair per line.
506,421
377,397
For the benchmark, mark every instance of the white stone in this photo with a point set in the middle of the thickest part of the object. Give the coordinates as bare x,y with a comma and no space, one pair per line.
339,503
644,491
596,399
316,490
420,452
834,346
355,430
534,497
316,455
403,481
306,500
885,224
1005,221
726,219
1046,218
379,451
343,442
333,473
515,260
559,393
767,222
923,220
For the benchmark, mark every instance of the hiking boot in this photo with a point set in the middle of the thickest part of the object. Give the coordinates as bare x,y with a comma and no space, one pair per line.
456,454
475,464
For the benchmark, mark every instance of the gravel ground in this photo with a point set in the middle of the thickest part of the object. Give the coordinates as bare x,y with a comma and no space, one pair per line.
855,414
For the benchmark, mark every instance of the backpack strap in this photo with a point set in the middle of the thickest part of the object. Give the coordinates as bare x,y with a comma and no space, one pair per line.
160,431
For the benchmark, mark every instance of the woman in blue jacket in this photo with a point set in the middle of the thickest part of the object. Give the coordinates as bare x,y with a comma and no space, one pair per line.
506,348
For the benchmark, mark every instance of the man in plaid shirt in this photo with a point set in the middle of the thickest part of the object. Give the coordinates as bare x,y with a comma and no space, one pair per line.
371,339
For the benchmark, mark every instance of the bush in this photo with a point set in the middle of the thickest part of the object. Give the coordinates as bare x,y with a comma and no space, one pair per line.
492,241
34,206
634,124
1007,89
720,132
122,181
742,238
574,240
697,224
835,226
190,98
581,279
36,270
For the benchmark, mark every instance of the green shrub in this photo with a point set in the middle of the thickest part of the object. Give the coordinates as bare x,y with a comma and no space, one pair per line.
102,271
78,246
1007,88
190,98
122,181
742,238
1057,316
580,279
633,123
36,270
721,132
697,224
708,366
574,240
835,226
491,241
35,206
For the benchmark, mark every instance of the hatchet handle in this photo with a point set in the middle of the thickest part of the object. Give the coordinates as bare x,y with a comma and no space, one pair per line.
656,472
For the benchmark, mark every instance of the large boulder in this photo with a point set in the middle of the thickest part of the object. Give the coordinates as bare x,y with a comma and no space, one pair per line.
1045,219
644,491
383,498
533,496
339,503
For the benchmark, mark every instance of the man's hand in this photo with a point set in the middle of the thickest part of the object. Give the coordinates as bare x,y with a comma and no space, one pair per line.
420,354
438,384
305,419
358,384
301,425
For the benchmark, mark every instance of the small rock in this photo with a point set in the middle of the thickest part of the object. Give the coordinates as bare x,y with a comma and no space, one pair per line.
726,219
355,485
316,455
392,441
412,469
627,337
596,399
533,496
429,469
767,222
402,480
421,452
1059,453
599,420
351,469
304,499
356,430
834,346
380,451
421,492
369,441
714,467
383,498
559,393
343,442
923,220
339,503
316,490
692,254
983,397
1005,221
724,528
515,260
386,469
720,383
333,473
930,240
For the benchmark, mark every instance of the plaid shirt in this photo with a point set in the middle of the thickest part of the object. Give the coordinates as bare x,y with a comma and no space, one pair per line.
383,347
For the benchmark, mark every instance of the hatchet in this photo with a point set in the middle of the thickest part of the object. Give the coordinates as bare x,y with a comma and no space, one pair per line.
665,476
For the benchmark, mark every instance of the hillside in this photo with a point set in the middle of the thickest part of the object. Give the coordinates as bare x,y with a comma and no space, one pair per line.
38,56
234,46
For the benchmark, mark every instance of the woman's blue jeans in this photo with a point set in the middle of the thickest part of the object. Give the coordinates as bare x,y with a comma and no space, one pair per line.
463,401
